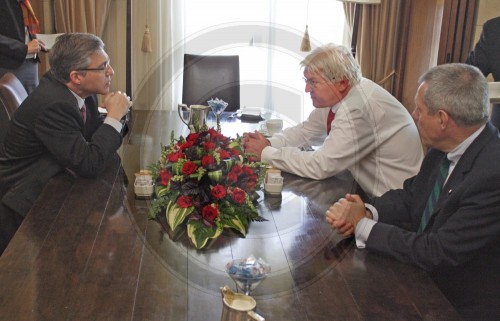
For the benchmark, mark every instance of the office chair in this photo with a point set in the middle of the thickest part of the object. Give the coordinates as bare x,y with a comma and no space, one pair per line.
207,77
12,94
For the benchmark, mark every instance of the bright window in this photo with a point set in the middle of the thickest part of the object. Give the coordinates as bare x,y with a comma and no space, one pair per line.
267,35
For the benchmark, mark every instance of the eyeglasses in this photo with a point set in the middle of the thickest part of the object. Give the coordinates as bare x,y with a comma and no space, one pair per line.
312,83
102,69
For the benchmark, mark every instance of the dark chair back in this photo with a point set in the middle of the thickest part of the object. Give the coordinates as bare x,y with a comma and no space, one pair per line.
207,77
12,94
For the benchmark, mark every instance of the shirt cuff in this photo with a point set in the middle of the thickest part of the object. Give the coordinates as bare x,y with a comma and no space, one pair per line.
267,153
116,124
275,142
363,229
373,210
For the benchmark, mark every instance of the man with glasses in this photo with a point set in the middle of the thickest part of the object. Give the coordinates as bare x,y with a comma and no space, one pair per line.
54,129
357,125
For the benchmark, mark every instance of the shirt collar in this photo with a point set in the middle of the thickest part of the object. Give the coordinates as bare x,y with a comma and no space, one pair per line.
79,99
457,152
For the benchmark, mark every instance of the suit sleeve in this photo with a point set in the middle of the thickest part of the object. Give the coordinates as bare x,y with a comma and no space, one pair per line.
12,48
60,130
395,205
480,56
467,223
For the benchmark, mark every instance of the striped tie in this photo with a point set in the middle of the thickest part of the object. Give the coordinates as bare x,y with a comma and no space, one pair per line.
30,20
436,191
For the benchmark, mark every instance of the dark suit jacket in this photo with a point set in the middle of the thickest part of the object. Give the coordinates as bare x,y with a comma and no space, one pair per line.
486,53
460,246
13,50
46,135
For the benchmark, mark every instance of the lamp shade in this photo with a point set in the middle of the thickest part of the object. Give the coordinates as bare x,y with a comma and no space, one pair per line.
362,1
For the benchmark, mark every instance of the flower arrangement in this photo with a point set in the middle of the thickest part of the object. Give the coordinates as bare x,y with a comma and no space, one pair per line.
207,181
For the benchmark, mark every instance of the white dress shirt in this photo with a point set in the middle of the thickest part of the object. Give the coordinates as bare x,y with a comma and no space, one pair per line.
372,135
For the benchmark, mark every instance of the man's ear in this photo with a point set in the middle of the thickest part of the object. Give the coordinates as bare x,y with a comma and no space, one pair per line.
75,77
444,118
343,84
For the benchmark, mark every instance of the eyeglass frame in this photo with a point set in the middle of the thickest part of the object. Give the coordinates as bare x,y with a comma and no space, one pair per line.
103,69
313,83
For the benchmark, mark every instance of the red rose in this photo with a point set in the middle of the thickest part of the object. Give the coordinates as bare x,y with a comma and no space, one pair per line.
223,154
218,191
186,145
165,177
234,152
232,177
209,146
184,201
238,195
210,212
207,160
189,168
236,169
174,157
192,137
247,170
213,134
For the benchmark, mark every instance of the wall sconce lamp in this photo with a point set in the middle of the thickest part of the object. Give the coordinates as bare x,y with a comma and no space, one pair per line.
355,20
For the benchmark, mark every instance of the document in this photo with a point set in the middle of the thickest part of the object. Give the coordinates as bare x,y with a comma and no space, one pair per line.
48,39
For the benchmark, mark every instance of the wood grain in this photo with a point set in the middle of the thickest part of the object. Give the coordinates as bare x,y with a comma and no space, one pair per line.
87,251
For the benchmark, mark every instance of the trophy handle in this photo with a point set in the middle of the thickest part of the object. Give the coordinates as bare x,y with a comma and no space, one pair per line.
181,108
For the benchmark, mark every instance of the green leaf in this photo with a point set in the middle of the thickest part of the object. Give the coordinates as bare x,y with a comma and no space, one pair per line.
237,223
176,215
215,176
199,233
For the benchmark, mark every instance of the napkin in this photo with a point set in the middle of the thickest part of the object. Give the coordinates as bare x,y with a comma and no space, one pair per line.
251,115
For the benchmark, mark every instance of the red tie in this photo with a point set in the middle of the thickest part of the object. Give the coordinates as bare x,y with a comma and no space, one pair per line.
83,110
329,119
30,19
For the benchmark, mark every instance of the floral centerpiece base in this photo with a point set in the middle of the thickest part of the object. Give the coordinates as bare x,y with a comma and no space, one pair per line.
206,183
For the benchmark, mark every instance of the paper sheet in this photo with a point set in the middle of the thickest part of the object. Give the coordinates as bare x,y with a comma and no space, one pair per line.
48,39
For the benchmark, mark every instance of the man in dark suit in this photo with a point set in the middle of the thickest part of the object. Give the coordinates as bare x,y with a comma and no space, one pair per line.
453,232
486,56
18,44
53,129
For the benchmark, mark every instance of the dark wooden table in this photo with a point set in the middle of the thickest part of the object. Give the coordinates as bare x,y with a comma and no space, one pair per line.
87,251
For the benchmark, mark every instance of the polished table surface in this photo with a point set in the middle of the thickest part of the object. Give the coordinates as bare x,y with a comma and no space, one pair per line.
87,251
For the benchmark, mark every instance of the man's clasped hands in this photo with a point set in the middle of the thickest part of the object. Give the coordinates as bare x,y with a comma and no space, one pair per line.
345,214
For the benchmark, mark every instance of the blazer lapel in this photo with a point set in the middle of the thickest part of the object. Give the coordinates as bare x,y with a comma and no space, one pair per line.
464,165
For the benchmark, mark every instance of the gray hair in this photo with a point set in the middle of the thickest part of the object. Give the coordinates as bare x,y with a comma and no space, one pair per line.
71,52
459,89
333,62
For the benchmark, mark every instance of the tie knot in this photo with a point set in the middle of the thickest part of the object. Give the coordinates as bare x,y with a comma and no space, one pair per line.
445,162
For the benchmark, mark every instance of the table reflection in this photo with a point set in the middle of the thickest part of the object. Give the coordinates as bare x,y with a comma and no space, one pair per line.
87,251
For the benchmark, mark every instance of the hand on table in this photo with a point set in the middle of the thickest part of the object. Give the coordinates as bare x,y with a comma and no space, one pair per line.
345,214
254,143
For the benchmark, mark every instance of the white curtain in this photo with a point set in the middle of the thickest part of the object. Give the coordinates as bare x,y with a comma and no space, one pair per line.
265,34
